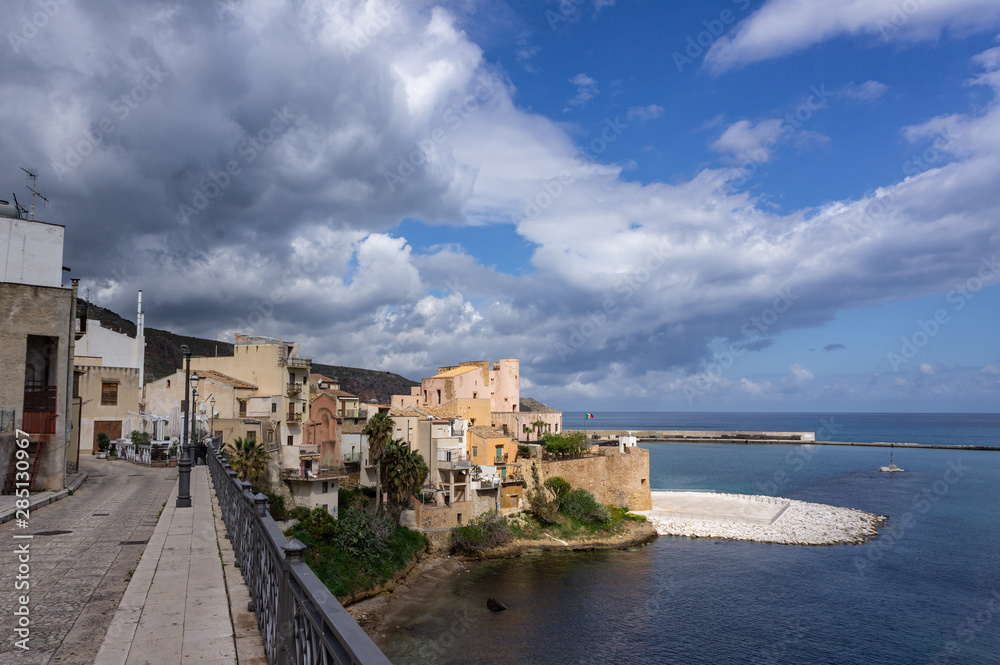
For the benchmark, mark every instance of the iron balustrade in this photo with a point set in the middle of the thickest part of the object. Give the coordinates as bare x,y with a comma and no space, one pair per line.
300,621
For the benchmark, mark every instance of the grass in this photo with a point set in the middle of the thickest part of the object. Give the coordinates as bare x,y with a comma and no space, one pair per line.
526,527
345,573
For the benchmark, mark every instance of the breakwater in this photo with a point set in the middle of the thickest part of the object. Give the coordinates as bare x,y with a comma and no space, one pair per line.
769,438
762,519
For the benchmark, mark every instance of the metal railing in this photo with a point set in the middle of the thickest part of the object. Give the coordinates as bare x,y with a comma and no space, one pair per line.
352,457
300,621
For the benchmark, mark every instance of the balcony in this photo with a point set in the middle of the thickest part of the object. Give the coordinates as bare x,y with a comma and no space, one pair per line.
293,388
352,458
294,417
354,413
40,413
306,451
457,459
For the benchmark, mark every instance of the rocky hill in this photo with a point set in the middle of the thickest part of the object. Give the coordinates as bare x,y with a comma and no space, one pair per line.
163,356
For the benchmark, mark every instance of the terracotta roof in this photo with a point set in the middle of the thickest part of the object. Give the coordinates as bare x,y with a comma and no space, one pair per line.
488,432
341,393
409,412
223,378
352,428
322,377
438,411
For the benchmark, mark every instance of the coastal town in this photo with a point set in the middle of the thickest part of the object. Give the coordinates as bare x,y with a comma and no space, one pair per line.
480,451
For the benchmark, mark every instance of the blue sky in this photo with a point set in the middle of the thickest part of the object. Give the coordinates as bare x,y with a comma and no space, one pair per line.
760,206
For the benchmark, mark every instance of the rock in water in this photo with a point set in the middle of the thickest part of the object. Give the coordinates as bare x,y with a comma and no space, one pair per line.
495,605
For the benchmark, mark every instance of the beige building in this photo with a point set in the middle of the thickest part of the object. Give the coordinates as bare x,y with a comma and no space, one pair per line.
36,350
109,370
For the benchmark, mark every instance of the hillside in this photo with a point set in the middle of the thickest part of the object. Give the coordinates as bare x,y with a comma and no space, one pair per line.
163,356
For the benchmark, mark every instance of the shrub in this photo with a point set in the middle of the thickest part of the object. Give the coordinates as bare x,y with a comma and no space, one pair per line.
103,442
539,504
580,504
485,532
523,451
318,522
303,513
559,487
364,534
140,438
276,504
352,497
570,445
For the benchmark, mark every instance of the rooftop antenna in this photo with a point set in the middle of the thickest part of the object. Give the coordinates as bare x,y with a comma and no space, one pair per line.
34,191
21,210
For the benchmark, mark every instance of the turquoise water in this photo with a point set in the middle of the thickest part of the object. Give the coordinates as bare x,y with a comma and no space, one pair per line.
927,590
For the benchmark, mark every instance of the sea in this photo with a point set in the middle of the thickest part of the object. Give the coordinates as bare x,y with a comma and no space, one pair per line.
925,590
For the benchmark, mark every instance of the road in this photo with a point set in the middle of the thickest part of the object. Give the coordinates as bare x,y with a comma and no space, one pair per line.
81,556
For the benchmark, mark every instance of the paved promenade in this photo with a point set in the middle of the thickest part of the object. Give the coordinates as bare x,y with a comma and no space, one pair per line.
119,576
82,552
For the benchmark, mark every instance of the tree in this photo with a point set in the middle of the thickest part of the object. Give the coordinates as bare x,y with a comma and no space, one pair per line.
538,425
248,458
379,430
568,445
405,471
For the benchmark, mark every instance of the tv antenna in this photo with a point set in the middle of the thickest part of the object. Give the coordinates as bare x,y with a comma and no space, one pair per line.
34,191
21,210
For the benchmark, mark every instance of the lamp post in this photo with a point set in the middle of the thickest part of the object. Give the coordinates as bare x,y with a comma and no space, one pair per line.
212,426
193,441
184,464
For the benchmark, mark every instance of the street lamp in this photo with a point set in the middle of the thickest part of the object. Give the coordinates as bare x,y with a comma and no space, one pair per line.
193,441
184,464
212,426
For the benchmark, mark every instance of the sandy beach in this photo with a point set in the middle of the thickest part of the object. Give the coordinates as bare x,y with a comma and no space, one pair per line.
762,519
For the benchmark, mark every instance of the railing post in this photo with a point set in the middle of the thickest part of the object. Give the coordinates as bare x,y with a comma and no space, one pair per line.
285,652
260,504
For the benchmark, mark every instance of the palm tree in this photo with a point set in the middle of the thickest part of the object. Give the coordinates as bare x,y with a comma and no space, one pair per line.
539,424
405,471
379,430
248,458
527,432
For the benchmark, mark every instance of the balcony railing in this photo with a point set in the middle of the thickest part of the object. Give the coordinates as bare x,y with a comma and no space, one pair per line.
354,413
39,397
294,417
308,450
294,388
300,621
352,457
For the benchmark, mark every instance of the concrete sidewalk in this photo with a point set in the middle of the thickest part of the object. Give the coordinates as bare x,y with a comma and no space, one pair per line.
177,605
8,507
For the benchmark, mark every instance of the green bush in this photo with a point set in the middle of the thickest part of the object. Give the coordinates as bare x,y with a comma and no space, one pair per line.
569,445
559,487
352,497
579,504
544,509
140,438
523,451
276,504
302,513
103,442
485,532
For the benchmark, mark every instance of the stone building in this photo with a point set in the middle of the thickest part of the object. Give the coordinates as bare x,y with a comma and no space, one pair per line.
36,349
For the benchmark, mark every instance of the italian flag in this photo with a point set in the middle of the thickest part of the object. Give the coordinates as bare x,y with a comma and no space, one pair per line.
589,416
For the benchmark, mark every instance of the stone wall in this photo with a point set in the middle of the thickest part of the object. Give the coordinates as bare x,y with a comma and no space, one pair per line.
615,478
443,517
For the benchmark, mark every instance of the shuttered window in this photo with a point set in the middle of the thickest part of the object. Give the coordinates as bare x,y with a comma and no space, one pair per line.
109,394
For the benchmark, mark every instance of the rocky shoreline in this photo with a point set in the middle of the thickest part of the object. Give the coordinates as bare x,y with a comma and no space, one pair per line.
636,534
801,523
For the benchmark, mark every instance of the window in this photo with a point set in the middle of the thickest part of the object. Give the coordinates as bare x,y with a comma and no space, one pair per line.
325,488
475,395
109,394
475,450
270,436
290,440
439,397
251,436
274,407
168,383
243,408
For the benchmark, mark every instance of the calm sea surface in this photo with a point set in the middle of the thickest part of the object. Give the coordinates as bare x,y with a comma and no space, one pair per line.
927,590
